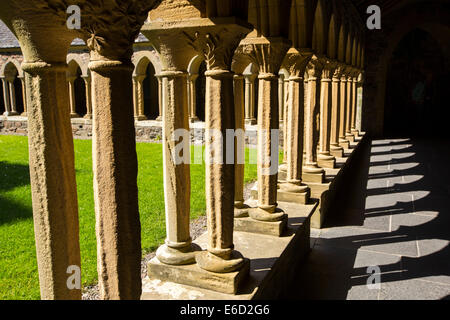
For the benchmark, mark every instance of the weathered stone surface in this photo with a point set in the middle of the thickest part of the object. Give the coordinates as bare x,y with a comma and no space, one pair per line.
275,228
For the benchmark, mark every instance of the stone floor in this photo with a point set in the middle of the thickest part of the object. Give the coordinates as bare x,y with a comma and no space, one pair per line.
395,215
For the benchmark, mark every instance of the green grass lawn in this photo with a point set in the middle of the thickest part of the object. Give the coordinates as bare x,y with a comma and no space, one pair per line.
18,267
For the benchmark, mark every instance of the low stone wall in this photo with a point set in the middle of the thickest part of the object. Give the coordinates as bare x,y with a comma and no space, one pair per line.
146,131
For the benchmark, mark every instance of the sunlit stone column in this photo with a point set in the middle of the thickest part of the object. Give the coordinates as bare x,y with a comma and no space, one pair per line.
324,157
24,96
6,99
311,170
51,155
286,84
12,96
160,97
360,93
268,53
240,209
294,124
118,228
191,89
335,149
343,142
250,99
217,43
281,97
72,102
138,97
175,53
353,128
348,120
87,84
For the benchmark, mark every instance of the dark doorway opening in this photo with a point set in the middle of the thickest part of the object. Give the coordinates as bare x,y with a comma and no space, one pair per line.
151,99
80,95
417,85
200,92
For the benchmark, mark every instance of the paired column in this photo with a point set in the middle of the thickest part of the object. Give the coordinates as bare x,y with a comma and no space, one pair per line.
6,99
311,170
191,89
335,148
138,97
250,99
348,121
72,102
87,84
353,128
294,122
160,96
9,96
324,158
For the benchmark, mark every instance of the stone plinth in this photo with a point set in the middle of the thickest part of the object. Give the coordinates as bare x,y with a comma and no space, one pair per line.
193,275
300,198
248,224
313,177
273,263
327,163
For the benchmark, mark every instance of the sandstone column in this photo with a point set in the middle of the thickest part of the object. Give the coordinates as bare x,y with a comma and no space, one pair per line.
281,97
250,99
240,209
24,96
343,142
139,97
175,53
268,54
191,89
285,112
335,149
217,43
311,170
324,158
348,120
6,99
44,43
87,84
160,97
294,123
111,38
12,96
353,128
72,103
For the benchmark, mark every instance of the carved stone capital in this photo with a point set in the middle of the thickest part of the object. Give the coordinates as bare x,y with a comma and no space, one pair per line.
266,53
314,68
328,68
296,61
110,27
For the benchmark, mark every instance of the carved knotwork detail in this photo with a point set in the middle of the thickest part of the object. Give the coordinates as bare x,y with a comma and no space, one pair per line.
267,56
217,48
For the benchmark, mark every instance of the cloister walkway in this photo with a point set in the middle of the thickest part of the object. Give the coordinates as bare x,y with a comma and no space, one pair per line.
394,215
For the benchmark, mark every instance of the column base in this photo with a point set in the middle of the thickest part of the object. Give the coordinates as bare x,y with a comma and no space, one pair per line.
159,118
24,114
10,113
313,174
275,228
350,137
344,144
194,119
182,256
240,209
293,192
140,118
337,152
74,115
250,122
195,276
88,117
326,161
282,172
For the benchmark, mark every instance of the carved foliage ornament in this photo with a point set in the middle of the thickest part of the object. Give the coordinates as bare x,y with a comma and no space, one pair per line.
217,48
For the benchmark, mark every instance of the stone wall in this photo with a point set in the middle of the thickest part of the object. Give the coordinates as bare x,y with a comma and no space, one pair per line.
146,131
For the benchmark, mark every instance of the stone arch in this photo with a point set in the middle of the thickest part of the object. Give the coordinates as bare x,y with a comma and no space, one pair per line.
423,16
300,23
146,72
11,64
342,43
320,30
82,64
348,48
12,89
77,86
333,37
141,59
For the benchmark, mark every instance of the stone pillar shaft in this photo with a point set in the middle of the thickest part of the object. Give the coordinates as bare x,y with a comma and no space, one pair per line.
72,103
354,106
343,109
6,96
239,145
115,180
325,104
250,99
52,177
24,96
87,84
311,119
348,113
138,97
12,96
191,89
160,97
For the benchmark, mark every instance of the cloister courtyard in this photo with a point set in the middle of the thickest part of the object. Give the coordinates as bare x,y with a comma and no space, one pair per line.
224,150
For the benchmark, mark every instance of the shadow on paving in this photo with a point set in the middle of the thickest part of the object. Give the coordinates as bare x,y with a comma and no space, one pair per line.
13,176
394,214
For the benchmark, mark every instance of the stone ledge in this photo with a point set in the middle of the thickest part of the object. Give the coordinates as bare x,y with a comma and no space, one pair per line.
273,262
254,226
300,198
193,275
